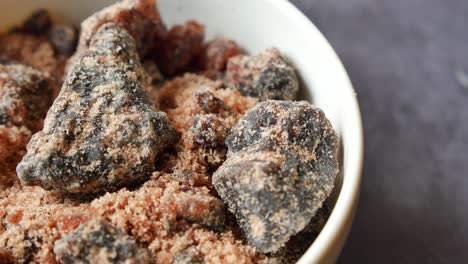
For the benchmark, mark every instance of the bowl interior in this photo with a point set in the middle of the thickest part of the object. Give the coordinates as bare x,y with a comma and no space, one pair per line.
257,25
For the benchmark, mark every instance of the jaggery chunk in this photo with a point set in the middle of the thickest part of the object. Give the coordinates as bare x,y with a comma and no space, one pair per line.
6,257
281,166
101,132
202,209
37,23
25,96
189,256
179,47
299,243
31,50
139,17
63,39
97,241
35,43
296,127
209,130
154,74
208,102
266,76
217,52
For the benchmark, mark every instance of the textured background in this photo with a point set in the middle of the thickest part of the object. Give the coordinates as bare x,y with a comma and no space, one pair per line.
408,61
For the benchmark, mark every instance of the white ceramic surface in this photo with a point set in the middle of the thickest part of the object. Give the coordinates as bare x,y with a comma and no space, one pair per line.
256,25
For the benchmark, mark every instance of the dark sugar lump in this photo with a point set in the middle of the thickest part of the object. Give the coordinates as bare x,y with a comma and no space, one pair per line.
63,39
140,18
37,23
97,241
25,96
216,53
101,133
285,125
266,75
189,256
281,166
177,48
209,130
208,102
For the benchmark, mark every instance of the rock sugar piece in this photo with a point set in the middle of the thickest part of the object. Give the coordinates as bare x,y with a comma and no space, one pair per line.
139,17
281,166
39,22
97,241
30,50
40,44
25,96
266,76
217,52
63,39
200,208
209,130
101,132
189,256
299,243
179,47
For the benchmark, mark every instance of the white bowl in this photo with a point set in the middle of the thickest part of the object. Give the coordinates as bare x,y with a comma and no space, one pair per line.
257,25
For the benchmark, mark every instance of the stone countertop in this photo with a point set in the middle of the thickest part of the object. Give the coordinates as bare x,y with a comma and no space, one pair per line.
408,61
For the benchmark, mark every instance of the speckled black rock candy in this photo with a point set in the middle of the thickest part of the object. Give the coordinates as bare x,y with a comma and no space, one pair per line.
63,39
207,211
281,166
37,23
101,132
97,241
299,243
140,18
189,256
25,96
208,102
266,76
209,130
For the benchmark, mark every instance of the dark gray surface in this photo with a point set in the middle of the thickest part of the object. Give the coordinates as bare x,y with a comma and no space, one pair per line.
403,57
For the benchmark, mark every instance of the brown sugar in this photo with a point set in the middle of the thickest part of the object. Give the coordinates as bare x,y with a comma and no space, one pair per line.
159,215
13,142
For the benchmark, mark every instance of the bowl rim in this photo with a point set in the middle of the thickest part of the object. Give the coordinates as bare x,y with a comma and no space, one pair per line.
343,212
